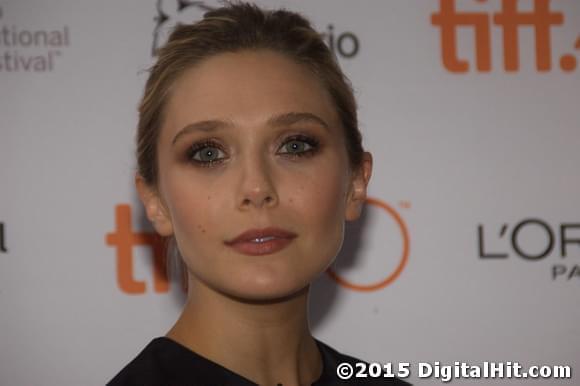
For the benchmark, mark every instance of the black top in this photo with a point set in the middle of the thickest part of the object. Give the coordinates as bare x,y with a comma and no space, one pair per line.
165,362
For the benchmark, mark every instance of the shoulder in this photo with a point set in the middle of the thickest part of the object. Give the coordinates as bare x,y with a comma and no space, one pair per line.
333,359
145,369
166,362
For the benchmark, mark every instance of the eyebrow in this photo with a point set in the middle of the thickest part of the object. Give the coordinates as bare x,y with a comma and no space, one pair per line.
277,120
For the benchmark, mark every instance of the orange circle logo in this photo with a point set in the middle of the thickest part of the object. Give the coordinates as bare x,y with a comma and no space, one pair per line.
403,259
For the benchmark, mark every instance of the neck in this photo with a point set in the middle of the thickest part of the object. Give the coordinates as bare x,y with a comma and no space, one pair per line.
267,342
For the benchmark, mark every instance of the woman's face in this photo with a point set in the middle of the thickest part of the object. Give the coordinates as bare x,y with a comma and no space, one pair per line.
251,141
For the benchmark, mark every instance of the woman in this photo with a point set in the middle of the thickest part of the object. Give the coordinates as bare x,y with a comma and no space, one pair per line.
250,158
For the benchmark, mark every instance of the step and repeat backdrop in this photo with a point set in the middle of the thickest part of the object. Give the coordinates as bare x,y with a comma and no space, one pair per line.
468,250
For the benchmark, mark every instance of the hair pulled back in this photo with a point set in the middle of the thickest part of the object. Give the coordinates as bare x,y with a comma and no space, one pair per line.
235,27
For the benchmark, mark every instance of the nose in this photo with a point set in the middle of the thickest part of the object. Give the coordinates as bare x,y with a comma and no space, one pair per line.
256,184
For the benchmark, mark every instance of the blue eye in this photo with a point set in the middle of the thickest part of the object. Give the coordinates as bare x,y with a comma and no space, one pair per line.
205,153
299,145
296,146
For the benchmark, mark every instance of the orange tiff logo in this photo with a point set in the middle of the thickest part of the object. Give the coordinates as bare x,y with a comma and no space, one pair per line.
123,239
510,19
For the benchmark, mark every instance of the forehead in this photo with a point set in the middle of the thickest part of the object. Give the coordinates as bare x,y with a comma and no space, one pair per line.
246,88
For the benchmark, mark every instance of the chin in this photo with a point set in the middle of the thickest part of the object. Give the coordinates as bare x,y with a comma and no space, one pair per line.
268,290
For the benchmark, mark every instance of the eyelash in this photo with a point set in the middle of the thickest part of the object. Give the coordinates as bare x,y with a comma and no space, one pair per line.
196,147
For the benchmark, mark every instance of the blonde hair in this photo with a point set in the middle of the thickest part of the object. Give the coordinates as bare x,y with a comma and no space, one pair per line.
234,27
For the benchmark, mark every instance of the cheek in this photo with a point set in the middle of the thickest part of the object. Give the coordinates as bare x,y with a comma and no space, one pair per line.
320,202
191,207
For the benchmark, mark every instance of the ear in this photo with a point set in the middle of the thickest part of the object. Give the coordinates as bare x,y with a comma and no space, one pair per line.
357,194
154,208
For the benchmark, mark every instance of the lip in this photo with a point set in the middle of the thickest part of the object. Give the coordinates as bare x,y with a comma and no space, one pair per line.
276,239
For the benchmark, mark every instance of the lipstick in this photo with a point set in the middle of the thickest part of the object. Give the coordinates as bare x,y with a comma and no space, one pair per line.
255,242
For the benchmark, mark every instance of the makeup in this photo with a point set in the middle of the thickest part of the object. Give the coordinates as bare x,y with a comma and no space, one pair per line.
265,241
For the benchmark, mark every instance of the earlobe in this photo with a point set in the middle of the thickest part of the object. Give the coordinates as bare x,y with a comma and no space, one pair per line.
358,189
154,208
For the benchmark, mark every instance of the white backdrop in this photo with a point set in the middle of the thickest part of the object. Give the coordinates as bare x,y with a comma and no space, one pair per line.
476,185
